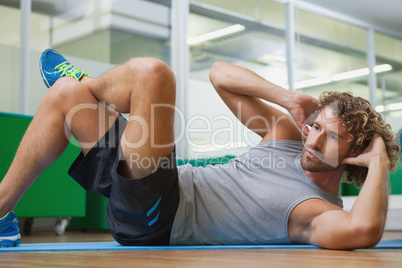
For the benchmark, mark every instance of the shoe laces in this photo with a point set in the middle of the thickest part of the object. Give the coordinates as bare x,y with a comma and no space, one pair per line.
67,69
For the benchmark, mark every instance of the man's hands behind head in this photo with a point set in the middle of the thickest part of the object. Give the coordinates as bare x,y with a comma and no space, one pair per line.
376,151
301,107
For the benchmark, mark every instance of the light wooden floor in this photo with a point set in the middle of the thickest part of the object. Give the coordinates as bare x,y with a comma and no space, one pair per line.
200,258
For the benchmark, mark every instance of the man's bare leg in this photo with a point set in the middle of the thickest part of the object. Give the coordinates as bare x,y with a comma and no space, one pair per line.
46,137
135,87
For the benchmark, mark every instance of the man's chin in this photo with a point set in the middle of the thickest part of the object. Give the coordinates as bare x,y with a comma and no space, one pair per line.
319,166
320,170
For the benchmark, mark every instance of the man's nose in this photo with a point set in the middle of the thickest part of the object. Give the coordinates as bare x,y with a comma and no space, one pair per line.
318,143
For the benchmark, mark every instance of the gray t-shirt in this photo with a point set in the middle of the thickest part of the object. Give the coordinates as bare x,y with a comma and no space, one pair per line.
248,200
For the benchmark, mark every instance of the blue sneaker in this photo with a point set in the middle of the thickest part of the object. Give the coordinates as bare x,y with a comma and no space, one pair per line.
53,65
9,231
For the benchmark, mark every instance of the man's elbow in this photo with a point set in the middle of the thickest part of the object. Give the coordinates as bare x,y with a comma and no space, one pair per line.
216,73
368,235
356,237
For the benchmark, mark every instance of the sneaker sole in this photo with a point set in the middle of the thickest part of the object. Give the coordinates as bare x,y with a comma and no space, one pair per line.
43,75
10,241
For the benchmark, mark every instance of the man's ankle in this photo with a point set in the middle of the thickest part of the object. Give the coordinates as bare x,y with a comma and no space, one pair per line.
3,213
86,81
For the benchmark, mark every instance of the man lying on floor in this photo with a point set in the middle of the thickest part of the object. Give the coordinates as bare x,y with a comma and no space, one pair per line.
250,200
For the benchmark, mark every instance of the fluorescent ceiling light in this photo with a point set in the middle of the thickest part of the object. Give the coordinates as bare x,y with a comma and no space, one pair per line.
341,76
361,72
382,68
389,107
351,74
313,82
394,106
269,58
380,108
216,34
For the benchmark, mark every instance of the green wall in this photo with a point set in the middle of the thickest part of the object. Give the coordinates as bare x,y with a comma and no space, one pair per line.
54,193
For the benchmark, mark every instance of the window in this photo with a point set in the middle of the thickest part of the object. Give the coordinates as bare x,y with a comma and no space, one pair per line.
237,32
389,83
92,35
10,58
330,56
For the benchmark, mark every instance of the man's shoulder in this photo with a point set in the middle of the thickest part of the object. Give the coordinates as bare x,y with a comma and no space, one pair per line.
292,145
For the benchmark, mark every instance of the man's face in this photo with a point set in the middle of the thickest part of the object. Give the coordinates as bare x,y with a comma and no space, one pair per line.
326,145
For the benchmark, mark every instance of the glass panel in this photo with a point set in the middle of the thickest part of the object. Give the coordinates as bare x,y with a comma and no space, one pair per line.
213,130
10,20
330,56
389,92
93,35
331,30
73,30
265,10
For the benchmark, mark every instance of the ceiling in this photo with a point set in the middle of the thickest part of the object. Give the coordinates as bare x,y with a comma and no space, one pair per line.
385,14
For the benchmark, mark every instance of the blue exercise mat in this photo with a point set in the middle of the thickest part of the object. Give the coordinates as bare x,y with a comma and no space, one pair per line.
95,246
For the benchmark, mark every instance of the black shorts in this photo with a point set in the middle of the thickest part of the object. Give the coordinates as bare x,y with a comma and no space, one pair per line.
139,212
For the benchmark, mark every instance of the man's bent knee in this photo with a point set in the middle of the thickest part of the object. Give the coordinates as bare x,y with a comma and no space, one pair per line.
64,88
153,71
150,66
68,94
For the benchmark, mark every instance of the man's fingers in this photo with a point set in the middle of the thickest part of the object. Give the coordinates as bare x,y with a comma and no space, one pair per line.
349,161
305,129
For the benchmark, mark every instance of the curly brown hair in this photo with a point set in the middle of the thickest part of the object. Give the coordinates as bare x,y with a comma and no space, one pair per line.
361,122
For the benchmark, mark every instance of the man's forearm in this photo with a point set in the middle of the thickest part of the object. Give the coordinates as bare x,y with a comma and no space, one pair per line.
239,80
371,206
